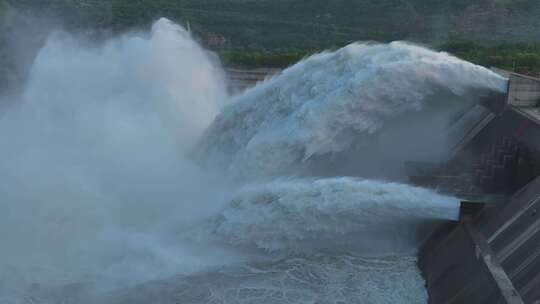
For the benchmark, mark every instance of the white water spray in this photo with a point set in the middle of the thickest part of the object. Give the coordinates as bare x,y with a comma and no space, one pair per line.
95,184
333,214
369,105
97,187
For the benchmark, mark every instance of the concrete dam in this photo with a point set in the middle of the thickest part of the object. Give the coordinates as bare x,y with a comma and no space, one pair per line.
492,255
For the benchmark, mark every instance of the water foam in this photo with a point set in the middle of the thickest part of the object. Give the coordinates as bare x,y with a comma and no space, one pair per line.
332,214
318,278
375,99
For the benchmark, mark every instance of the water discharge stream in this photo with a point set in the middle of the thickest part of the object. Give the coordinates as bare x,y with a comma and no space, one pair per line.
129,176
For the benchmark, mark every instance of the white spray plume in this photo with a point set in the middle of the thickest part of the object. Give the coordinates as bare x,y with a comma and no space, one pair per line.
95,184
335,214
384,102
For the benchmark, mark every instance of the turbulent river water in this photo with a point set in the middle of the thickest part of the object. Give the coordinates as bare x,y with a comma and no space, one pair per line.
130,176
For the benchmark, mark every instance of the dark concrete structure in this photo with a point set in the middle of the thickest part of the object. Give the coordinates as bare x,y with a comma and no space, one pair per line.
492,255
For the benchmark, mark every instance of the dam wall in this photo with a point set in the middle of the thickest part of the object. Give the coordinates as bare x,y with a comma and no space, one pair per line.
492,255
523,91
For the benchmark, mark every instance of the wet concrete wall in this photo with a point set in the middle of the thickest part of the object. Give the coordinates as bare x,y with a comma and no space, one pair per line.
492,256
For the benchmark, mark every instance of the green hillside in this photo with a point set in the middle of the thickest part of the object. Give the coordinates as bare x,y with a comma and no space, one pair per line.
275,33
282,24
